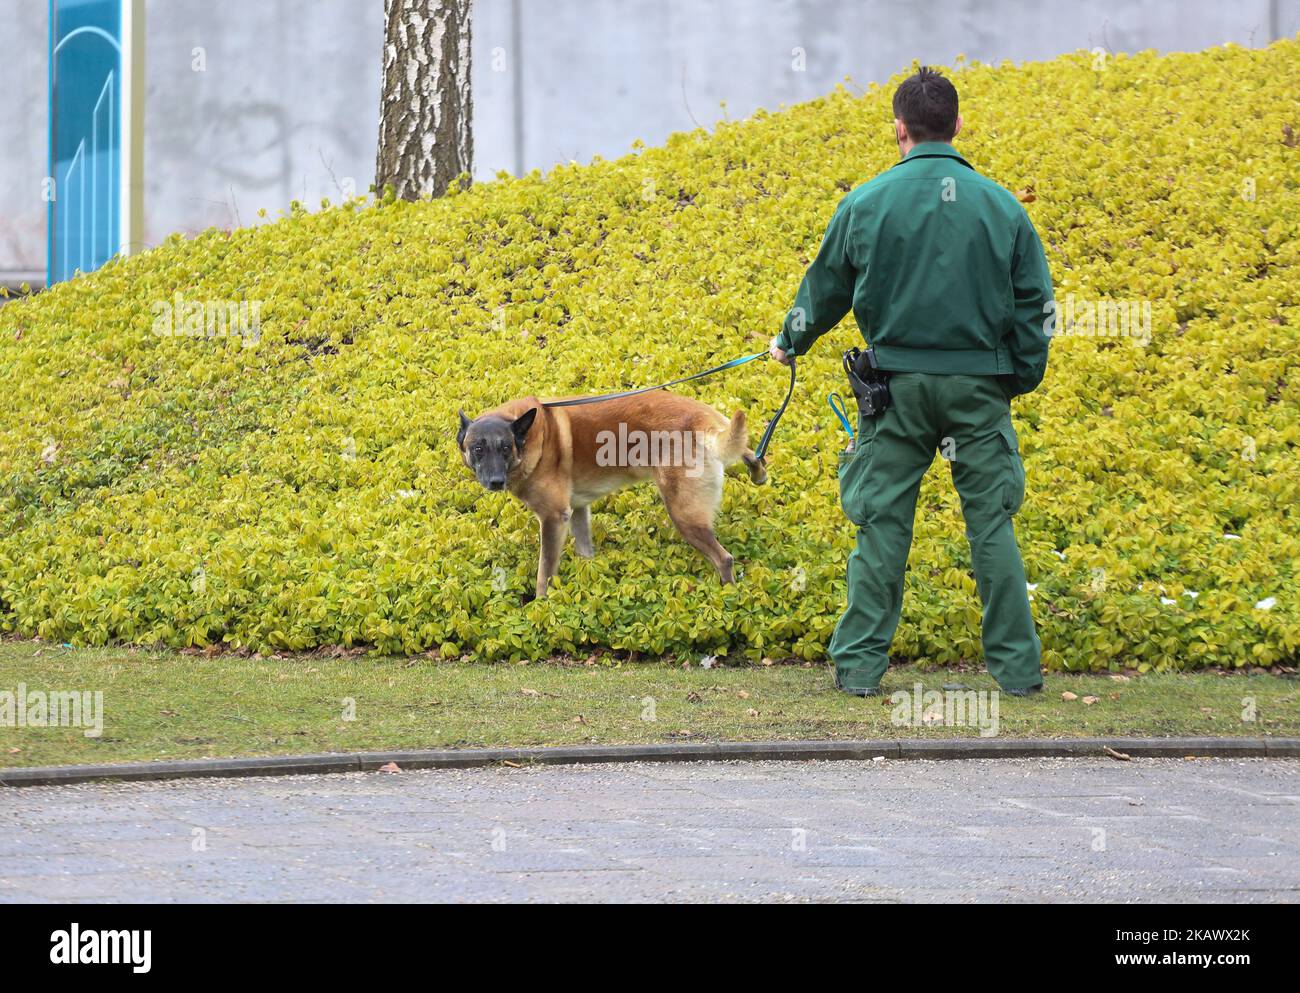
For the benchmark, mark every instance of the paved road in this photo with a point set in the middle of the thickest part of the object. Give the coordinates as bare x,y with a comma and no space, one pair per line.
1035,829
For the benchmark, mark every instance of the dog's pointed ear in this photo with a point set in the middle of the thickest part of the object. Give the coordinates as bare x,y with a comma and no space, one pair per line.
521,424
465,422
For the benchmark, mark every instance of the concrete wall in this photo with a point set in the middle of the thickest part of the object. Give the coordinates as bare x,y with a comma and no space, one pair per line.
285,103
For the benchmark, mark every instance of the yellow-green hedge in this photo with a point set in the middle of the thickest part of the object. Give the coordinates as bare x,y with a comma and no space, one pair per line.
306,490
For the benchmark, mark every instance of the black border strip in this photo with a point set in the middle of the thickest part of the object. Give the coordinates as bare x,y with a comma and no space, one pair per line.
769,751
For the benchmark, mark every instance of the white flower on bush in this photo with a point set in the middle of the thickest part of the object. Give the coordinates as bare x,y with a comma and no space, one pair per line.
1268,603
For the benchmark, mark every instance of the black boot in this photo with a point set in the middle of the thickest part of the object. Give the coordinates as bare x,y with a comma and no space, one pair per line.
854,690
1025,691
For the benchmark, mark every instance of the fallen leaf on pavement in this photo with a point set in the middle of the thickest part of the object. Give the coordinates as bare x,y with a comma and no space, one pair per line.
390,767
1122,756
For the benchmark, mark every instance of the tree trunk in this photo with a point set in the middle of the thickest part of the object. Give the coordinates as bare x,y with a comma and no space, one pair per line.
425,111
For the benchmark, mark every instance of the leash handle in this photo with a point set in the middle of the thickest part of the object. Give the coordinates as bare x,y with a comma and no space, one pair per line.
760,452
841,411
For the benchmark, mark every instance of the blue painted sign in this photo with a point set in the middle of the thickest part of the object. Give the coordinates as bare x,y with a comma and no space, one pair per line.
85,182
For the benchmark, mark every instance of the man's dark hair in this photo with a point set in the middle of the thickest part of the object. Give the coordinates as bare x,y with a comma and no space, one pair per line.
927,104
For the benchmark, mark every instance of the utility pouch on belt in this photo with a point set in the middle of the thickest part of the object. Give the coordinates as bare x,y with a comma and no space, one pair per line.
869,383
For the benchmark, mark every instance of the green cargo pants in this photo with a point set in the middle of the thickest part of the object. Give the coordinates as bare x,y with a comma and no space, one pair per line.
968,419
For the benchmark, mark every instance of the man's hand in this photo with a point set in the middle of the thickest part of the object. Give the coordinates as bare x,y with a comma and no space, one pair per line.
779,353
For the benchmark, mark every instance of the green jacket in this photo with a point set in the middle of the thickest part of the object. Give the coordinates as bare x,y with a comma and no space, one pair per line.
942,269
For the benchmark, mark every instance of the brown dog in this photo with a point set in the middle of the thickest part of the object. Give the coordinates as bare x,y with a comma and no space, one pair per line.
558,460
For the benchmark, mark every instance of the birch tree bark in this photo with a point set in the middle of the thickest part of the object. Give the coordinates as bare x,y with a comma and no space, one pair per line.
425,111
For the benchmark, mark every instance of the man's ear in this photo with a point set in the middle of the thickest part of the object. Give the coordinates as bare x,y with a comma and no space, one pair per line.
521,424
465,422
957,130
900,130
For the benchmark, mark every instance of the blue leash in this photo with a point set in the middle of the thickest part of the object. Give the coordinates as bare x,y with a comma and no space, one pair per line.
759,452
842,412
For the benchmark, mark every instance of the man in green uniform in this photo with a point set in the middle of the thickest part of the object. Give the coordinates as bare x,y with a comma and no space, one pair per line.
948,282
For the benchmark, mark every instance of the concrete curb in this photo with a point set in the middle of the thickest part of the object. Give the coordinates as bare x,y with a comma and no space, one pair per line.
787,751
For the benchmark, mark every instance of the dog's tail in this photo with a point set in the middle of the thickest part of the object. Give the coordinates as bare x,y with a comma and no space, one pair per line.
735,447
